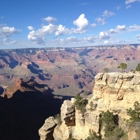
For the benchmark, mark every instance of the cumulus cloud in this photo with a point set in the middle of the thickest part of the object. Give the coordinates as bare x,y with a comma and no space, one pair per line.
89,39
62,30
138,37
81,23
93,25
39,35
107,13
118,29
69,40
128,6
50,19
101,20
6,32
134,27
118,7
121,28
112,31
131,1
104,35
106,42
30,28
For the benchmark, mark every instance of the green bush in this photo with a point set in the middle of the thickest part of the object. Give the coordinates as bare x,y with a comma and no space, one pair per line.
116,134
71,139
138,67
80,104
122,66
109,121
93,136
134,113
58,119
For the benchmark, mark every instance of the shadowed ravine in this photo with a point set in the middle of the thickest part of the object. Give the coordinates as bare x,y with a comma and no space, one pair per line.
22,115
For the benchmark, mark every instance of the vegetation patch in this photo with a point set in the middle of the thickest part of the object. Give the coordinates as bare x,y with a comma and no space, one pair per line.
80,103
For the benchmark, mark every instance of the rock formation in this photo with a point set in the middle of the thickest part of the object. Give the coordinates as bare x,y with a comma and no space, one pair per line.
47,129
53,66
115,92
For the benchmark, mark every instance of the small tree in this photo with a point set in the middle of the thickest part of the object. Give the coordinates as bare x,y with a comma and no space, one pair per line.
122,66
138,67
109,122
106,70
58,119
91,105
80,103
134,113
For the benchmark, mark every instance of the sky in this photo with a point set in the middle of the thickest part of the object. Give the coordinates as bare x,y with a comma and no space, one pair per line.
68,23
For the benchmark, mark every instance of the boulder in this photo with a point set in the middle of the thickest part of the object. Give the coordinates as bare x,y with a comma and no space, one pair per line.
46,131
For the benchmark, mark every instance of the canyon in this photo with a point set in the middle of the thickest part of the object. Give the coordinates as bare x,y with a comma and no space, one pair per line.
67,71
34,82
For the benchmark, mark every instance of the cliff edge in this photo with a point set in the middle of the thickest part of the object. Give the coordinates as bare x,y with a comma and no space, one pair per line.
115,92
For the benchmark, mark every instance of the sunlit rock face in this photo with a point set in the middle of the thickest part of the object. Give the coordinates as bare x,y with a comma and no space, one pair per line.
115,92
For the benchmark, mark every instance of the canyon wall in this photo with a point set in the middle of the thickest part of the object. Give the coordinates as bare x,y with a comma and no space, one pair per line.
115,92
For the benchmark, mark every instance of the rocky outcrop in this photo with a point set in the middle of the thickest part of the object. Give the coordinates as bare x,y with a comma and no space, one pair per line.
46,131
23,86
115,92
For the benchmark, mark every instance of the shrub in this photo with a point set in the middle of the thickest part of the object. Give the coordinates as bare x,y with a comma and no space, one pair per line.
91,105
93,136
138,67
109,121
122,66
134,113
80,104
116,134
58,119
106,70
71,139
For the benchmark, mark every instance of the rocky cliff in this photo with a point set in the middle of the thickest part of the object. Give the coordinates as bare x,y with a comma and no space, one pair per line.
115,92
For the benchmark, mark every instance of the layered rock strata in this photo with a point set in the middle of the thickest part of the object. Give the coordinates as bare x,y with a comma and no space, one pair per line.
115,92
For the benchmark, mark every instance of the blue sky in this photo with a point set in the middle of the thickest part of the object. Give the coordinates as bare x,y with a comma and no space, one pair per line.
68,23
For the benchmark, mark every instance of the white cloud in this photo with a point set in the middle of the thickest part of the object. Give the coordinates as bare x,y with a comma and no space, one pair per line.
131,1
118,7
89,39
106,13
69,40
104,35
112,31
134,27
118,29
106,42
30,28
121,28
62,30
39,35
50,19
101,20
128,6
81,23
138,37
6,32
93,25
